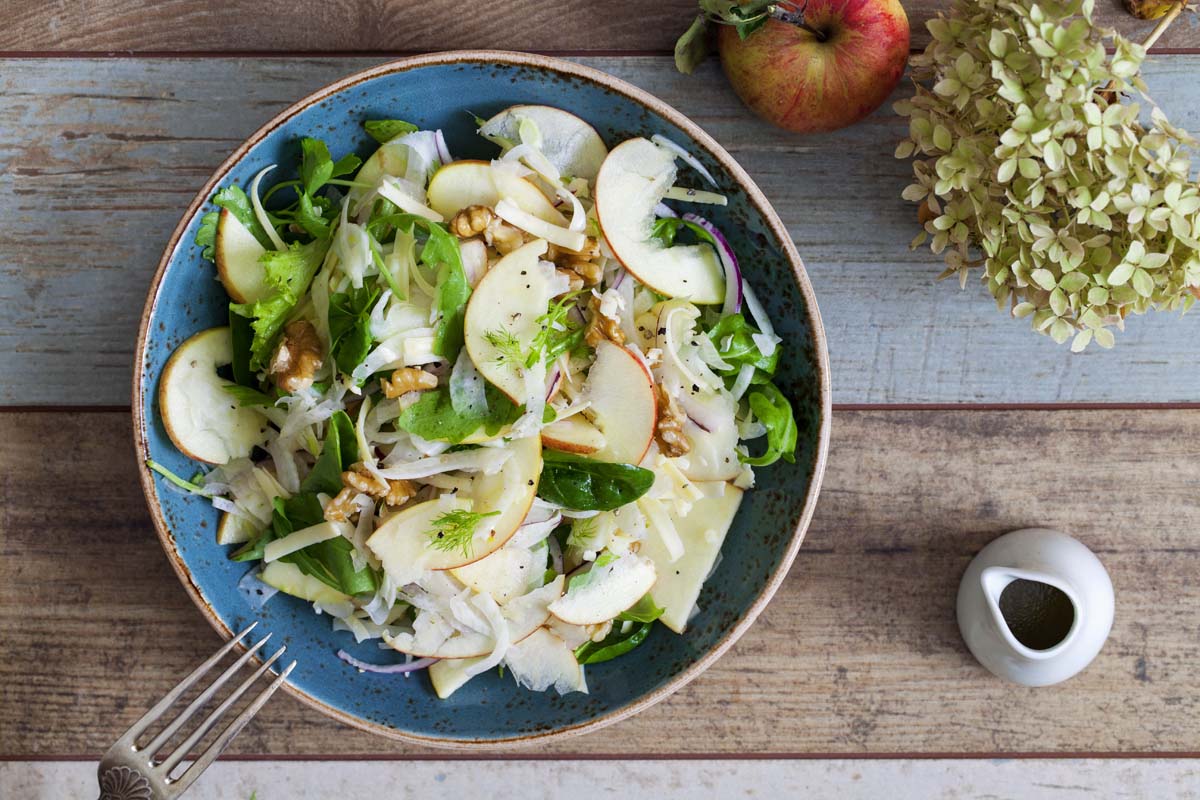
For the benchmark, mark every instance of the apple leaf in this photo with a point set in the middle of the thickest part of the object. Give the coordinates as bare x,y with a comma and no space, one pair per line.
693,47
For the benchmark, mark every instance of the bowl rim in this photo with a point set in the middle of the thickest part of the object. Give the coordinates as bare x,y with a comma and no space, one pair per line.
756,198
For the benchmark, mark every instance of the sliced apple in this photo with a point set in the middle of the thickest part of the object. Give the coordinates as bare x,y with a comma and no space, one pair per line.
543,660
432,637
702,532
448,675
569,143
573,435
235,529
608,590
502,316
287,578
476,183
623,405
632,181
505,574
237,252
404,543
203,420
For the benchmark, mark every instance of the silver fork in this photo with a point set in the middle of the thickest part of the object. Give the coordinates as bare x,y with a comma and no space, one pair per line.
129,772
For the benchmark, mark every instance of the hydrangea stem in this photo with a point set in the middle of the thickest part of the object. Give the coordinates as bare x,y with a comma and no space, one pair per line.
1164,23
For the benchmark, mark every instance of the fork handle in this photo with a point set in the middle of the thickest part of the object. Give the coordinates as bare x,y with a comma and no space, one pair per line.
123,783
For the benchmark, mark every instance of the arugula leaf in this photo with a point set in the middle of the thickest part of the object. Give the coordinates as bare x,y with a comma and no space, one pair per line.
289,272
350,326
583,484
249,396
734,338
556,333
384,130
235,201
317,166
455,530
613,645
206,235
309,216
644,610
338,453
433,416
774,411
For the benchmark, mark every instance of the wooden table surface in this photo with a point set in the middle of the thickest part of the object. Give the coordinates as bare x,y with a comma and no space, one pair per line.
951,424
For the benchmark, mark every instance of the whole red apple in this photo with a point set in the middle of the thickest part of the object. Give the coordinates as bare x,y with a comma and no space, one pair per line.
820,65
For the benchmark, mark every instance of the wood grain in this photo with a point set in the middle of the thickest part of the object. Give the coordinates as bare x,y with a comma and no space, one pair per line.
98,157
392,25
859,652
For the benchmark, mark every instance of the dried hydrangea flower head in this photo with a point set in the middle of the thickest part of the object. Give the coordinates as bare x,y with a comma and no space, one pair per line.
1028,165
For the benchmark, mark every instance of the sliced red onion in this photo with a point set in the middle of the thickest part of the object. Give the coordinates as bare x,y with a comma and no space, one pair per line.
690,159
442,150
552,384
664,210
733,273
698,424
386,669
618,278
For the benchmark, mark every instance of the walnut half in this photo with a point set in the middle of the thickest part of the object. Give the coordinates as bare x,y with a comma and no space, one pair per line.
297,358
408,379
670,425
600,326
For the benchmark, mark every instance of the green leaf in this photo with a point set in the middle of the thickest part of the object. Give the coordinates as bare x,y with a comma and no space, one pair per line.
433,416
645,610
339,452
309,217
242,335
289,272
248,396
614,645
693,46
235,201
774,411
186,485
384,130
316,165
206,235
583,484
582,579
734,338
350,326
330,561
666,230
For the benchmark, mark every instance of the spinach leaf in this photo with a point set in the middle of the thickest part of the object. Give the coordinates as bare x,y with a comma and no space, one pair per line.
383,130
613,645
666,230
338,453
242,335
774,411
734,338
350,326
644,610
583,484
289,272
433,416
330,561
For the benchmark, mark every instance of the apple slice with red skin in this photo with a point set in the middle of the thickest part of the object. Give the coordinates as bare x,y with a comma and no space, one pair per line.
623,405
568,142
573,435
632,181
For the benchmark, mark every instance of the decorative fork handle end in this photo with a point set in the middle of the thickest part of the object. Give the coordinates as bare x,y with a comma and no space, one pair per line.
124,783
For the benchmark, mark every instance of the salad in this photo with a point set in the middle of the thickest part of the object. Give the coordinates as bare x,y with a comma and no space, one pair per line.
491,413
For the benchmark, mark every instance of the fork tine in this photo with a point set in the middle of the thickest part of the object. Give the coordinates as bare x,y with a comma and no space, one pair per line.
233,729
187,713
171,761
139,727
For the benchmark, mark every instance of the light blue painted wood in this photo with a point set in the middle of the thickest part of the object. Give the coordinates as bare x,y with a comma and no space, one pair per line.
98,157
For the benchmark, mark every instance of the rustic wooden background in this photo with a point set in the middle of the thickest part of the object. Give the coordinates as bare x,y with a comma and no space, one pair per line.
952,424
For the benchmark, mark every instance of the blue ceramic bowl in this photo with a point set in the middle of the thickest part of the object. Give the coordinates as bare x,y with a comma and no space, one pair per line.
436,91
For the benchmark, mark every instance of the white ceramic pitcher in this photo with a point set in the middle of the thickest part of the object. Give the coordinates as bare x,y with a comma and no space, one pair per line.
1035,606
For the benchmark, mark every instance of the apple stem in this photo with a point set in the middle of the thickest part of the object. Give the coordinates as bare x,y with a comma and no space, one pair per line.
796,18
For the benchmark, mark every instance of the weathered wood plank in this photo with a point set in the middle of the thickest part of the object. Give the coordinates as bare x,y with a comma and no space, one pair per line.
859,652
727,779
98,157
344,25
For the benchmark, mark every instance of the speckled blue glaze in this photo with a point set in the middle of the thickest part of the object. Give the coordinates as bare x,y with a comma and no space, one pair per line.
491,708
